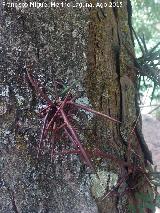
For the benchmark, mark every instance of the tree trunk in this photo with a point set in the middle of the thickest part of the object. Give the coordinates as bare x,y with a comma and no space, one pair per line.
92,47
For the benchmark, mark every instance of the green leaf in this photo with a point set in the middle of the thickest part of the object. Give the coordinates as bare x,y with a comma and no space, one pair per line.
158,200
144,197
131,209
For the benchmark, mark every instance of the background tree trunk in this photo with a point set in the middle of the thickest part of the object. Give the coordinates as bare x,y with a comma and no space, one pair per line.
91,47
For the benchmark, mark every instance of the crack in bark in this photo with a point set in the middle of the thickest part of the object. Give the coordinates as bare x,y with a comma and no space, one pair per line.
12,196
129,10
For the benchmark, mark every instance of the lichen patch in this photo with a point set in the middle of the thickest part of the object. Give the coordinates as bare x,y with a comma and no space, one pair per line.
104,180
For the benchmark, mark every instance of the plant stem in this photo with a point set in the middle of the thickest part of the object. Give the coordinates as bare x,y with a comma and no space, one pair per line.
76,139
93,111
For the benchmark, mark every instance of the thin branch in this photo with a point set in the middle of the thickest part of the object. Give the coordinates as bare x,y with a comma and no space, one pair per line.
152,50
144,43
42,133
154,109
76,140
139,43
116,186
93,111
154,105
58,110
35,85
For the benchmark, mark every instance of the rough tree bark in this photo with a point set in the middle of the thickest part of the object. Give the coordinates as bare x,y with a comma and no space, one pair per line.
91,46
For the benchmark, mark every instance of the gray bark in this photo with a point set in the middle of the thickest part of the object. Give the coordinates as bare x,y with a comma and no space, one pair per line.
54,41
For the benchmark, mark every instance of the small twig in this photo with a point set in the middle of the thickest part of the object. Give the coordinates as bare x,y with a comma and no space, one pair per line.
152,50
133,130
52,151
34,84
76,139
93,111
59,128
139,43
43,133
154,105
53,142
70,137
12,196
116,186
14,202
58,110
144,43
99,153
154,109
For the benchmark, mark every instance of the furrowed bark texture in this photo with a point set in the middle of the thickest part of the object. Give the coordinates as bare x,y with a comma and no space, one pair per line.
69,44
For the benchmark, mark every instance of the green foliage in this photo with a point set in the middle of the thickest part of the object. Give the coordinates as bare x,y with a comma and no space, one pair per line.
158,201
146,22
148,65
146,19
145,201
